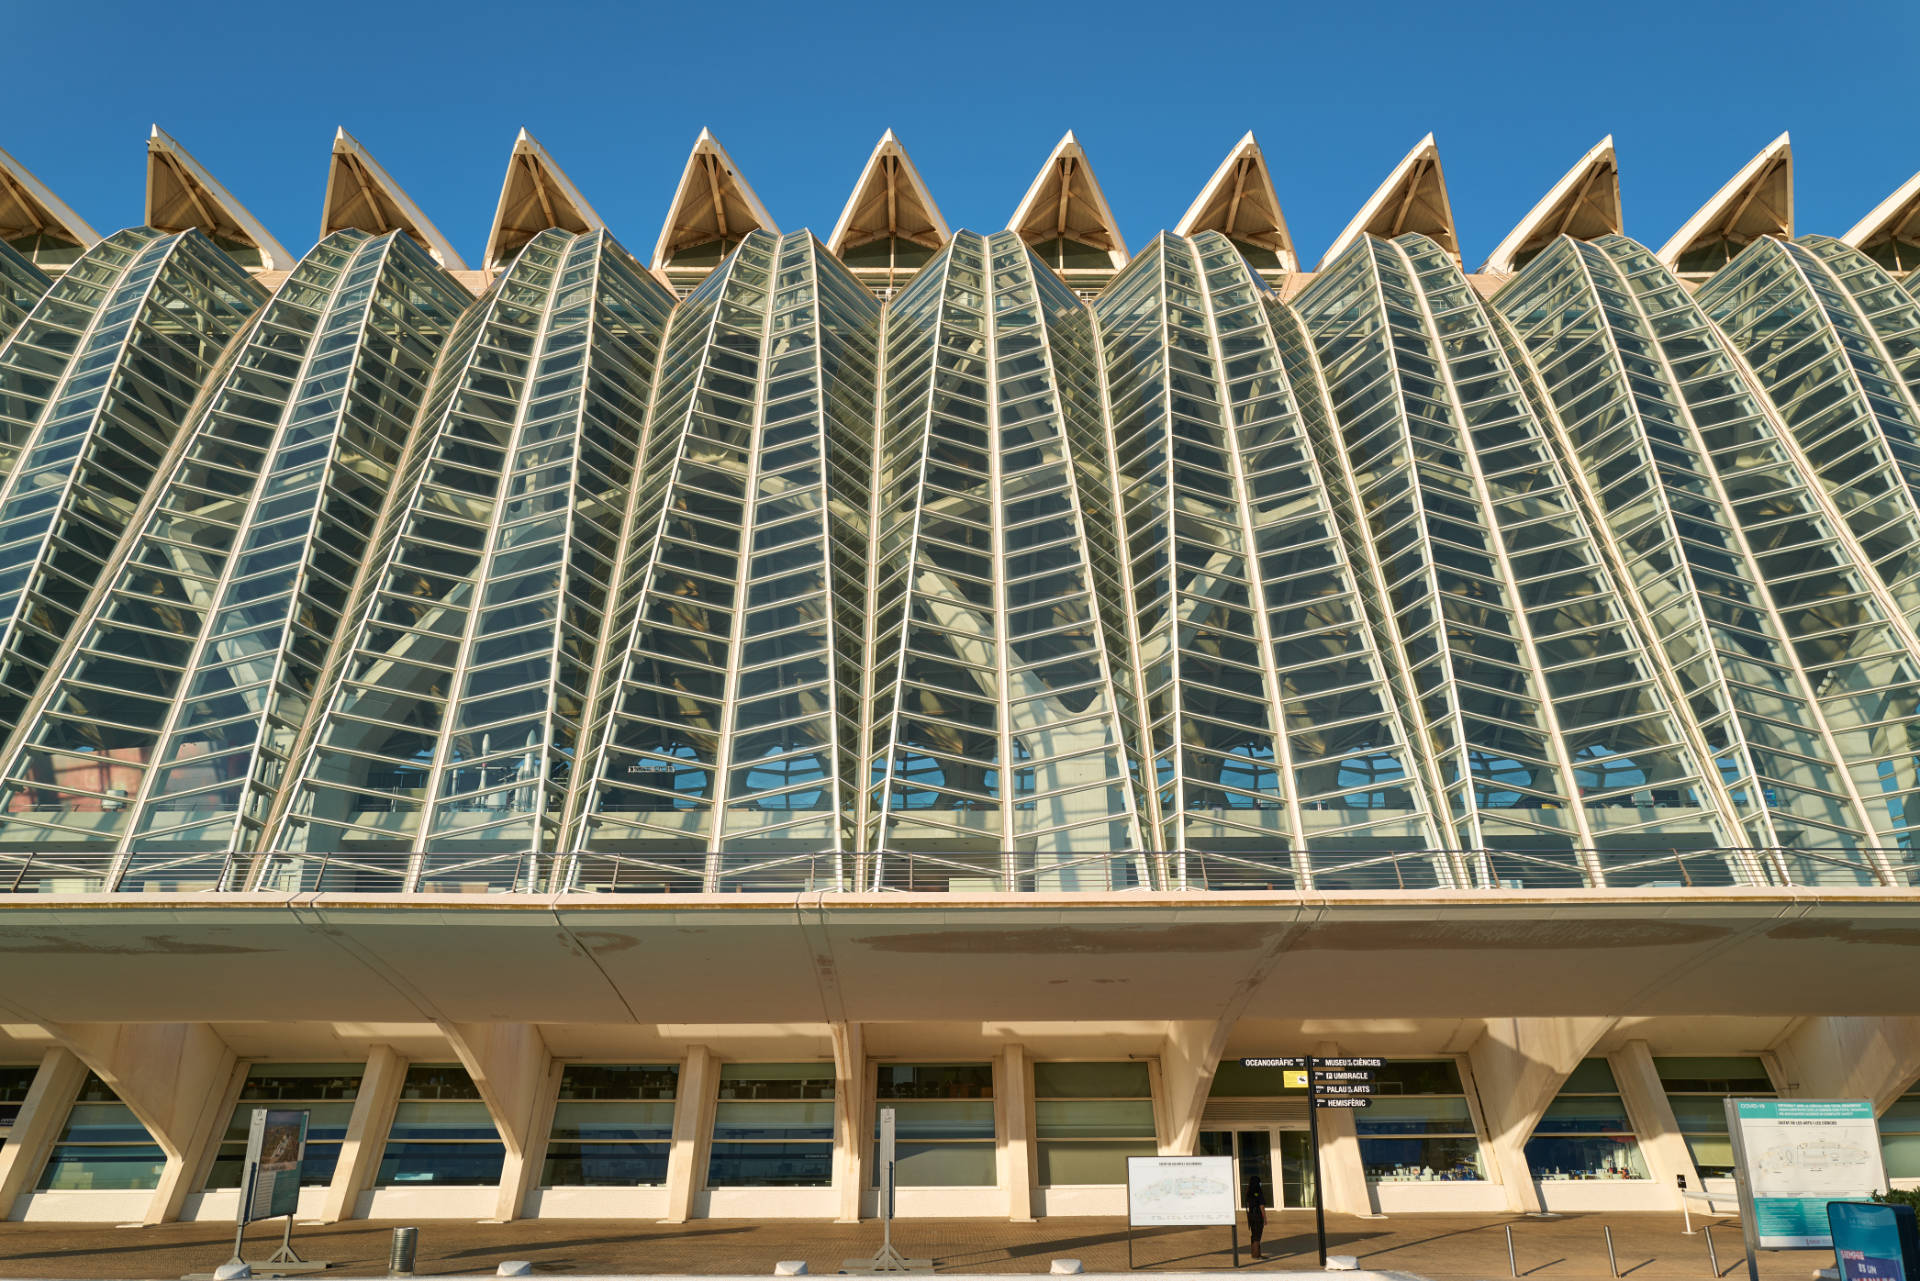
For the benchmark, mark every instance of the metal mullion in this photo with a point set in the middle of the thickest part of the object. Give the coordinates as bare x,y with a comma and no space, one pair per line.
1470,459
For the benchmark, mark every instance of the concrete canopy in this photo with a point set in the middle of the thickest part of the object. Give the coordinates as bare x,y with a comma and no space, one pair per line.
712,205
1413,198
1065,203
361,194
1239,202
1584,204
1756,202
181,194
535,195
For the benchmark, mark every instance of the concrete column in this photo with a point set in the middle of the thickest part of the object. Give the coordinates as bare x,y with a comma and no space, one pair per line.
173,1077
692,1124
1518,1066
1013,1109
372,1117
1851,1058
1188,1059
509,1065
1661,1142
43,1114
1344,1175
851,1133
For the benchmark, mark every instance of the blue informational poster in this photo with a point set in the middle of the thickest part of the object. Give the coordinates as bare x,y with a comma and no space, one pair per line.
1794,1157
1874,1242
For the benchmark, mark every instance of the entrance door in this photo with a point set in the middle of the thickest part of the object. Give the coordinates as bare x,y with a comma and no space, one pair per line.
1253,1151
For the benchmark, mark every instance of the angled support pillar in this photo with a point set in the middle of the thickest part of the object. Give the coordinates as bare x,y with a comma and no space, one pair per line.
367,1127
509,1065
1852,1058
1518,1067
850,1131
1340,1165
173,1077
1013,1100
42,1115
692,1123
1661,1142
1188,1059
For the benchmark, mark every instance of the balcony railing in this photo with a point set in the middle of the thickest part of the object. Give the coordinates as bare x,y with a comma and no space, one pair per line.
914,872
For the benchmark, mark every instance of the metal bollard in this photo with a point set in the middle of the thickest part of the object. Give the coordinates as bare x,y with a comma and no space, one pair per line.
1613,1265
1713,1258
400,1257
1513,1269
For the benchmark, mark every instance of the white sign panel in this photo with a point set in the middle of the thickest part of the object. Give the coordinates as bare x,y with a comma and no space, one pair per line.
1799,1154
1180,1191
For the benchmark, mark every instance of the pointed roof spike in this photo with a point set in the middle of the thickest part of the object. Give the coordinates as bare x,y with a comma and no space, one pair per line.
713,204
889,201
535,195
28,211
1239,202
1895,219
1756,202
1065,203
181,195
1584,204
361,194
1413,198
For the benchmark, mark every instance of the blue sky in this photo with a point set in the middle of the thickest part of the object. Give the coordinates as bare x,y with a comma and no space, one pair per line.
979,92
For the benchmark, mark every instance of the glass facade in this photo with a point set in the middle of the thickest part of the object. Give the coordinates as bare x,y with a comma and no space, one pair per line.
772,1126
442,1134
1585,1133
612,1125
1420,1127
1697,1090
1899,1136
1088,1119
943,1123
324,1091
14,1084
1190,576
102,1147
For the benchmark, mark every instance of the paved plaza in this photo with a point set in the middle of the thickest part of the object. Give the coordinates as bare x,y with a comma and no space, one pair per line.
1650,1247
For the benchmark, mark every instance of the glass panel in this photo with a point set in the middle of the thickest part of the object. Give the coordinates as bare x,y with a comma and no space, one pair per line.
1586,1157
1425,1160
1070,1164
1091,1081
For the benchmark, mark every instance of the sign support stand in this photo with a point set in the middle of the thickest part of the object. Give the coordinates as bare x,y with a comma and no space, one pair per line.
887,1259
1313,1140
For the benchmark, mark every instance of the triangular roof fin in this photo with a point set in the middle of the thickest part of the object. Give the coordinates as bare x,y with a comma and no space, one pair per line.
361,194
712,206
1065,203
31,216
1756,202
889,202
535,195
1413,198
1584,204
1239,202
181,195
1895,220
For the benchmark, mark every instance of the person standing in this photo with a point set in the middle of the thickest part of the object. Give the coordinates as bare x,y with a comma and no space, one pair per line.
1256,1213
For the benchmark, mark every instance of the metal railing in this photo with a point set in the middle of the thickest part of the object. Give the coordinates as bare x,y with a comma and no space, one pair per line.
1369,870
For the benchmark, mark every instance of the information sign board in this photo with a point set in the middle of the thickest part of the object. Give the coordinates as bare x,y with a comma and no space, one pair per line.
1874,1242
276,1142
1794,1156
1180,1191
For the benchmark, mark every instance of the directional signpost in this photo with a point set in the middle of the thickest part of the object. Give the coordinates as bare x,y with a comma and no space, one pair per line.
1329,1083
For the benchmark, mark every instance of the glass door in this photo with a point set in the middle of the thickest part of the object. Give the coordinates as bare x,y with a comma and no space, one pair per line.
1296,1170
1252,1153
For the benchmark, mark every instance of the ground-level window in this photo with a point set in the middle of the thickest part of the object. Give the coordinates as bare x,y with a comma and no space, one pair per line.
324,1091
773,1126
15,1081
102,1146
1899,1135
1584,1133
943,1124
1697,1089
1088,1119
442,1133
1419,1127
612,1126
